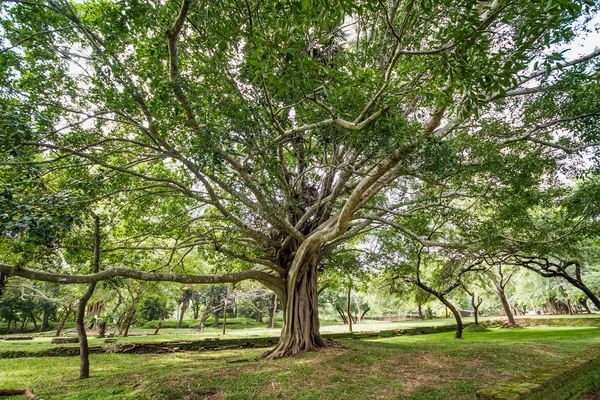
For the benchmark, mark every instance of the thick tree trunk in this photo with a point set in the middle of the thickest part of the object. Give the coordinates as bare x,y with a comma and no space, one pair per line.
300,331
162,313
420,307
84,355
259,317
68,311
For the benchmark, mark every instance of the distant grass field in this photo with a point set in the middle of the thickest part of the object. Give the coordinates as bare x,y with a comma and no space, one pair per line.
422,367
240,328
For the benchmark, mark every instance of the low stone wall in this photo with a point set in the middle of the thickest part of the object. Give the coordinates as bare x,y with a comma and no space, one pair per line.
564,380
556,321
213,344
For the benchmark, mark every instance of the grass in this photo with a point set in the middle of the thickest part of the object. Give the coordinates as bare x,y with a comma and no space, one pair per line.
416,367
242,329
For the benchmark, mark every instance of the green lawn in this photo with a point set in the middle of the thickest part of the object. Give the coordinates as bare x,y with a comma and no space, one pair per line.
242,330
416,367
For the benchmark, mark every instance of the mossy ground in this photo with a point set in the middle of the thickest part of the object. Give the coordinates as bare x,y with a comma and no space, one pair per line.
413,367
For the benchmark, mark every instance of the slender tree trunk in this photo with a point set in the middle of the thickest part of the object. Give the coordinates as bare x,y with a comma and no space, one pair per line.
160,319
476,305
585,306
84,355
45,317
182,311
342,314
272,311
23,321
33,320
84,351
420,307
348,308
454,311
68,311
506,307
129,318
225,311
259,317
300,331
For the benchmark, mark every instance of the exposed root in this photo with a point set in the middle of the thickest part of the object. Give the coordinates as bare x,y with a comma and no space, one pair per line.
18,392
284,351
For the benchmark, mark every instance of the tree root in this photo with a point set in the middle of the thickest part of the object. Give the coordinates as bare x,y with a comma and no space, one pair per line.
296,350
18,392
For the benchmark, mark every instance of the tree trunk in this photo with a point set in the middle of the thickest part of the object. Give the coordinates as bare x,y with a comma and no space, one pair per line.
506,306
84,355
182,310
160,319
225,311
420,307
216,315
68,311
129,318
459,324
23,323
300,331
204,317
585,306
342,314
33,320
259,317
45,317
348,308
476,305
272,311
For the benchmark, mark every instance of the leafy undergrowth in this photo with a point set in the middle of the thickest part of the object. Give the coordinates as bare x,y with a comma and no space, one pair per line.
417,367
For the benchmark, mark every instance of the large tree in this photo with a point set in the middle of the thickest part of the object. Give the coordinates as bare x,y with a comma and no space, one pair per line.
271,132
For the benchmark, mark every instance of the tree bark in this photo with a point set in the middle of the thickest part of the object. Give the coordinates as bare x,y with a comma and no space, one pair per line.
129,318
272,311
68,311
45,317
33,320
585,306
420,308
23,321
84,355
454,311
348,308
225,310
300,331
506,306
160,319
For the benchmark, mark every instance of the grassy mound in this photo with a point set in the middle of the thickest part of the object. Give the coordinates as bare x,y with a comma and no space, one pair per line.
476,328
